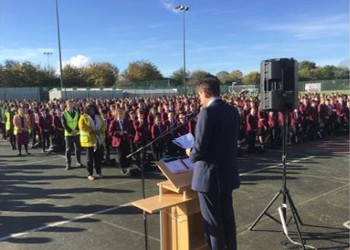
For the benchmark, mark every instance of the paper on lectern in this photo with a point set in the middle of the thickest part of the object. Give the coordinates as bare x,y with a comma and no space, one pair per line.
175,166
188,163
186,141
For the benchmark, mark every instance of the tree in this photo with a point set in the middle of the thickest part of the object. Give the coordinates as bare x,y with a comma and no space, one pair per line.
327,72
142,71
224,77
31,75
252,78
26,74
73,76
342,73
178,75
101,74
306,65
236,75
307,70
11,74
197,76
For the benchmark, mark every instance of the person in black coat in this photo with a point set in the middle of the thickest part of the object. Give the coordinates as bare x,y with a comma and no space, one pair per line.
46,129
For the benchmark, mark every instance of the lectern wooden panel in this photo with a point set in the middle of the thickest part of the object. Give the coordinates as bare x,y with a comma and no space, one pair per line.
180,218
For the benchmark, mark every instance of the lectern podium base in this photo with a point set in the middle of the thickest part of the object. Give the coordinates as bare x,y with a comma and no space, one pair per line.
181,226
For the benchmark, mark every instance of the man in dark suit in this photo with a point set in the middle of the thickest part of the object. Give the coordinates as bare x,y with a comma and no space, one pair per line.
45,126
215,173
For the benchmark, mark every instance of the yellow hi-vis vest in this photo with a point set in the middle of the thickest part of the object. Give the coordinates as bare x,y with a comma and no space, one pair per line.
71,122
8,121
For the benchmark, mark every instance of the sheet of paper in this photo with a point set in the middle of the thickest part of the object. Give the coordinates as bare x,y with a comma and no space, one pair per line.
186,141
188,163
175,166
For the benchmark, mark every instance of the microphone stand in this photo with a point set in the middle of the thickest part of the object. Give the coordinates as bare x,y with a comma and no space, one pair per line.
144,148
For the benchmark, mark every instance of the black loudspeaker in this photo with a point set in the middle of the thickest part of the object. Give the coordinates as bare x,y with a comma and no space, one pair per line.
278,88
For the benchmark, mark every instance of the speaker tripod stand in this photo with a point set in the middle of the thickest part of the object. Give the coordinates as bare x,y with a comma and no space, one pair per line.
286,197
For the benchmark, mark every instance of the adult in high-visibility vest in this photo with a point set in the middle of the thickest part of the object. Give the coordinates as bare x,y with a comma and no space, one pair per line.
21,129
9,114
2,119
70,119
92,132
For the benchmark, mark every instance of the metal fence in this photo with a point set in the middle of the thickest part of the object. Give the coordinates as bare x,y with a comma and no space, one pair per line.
161,87
328,85
29,93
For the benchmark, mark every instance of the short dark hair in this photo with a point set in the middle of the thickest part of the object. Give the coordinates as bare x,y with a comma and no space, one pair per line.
211,85
92,106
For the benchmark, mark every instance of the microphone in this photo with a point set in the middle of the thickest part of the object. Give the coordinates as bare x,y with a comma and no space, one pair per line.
190,115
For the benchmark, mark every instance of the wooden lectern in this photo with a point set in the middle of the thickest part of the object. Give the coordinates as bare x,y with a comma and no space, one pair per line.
181,226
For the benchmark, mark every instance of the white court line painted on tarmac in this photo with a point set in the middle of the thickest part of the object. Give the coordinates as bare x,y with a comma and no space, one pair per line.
299,204
18,209
26,164
60,223
129,230
62,156
347,224
275,166
55,224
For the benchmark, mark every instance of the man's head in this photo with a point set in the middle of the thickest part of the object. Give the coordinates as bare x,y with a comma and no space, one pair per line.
20,111
171,116
157,120
207,89
70,104
59,112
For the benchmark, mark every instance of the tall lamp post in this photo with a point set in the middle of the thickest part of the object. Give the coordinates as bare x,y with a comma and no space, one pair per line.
48,54
59,51
183,8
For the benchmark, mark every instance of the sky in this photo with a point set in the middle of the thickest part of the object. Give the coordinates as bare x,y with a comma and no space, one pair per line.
220,35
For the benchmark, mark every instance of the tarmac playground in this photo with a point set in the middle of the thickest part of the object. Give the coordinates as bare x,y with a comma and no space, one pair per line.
45,207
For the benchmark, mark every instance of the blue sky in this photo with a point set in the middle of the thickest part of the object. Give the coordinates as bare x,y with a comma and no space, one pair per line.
220,35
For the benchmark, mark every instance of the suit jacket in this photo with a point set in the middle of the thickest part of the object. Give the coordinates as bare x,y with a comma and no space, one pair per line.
57,123
141,132
45,124
115,130
252,123
215,149
155,131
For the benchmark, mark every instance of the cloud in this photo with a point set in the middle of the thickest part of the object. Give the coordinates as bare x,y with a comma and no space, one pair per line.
345,63
312,28
169,5
23,54
78,61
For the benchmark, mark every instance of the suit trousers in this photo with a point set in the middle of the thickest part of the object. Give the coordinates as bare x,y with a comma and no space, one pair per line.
45,140
219,220
123,151
94,159
73,142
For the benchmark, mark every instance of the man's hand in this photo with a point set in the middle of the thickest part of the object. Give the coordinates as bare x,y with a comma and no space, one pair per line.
188,151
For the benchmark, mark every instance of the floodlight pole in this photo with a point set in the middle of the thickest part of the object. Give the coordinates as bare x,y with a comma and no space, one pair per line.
48,54
59,51
183,8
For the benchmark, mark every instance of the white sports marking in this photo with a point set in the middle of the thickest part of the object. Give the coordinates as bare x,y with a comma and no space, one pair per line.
275,166
347,224
59,223
26,164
